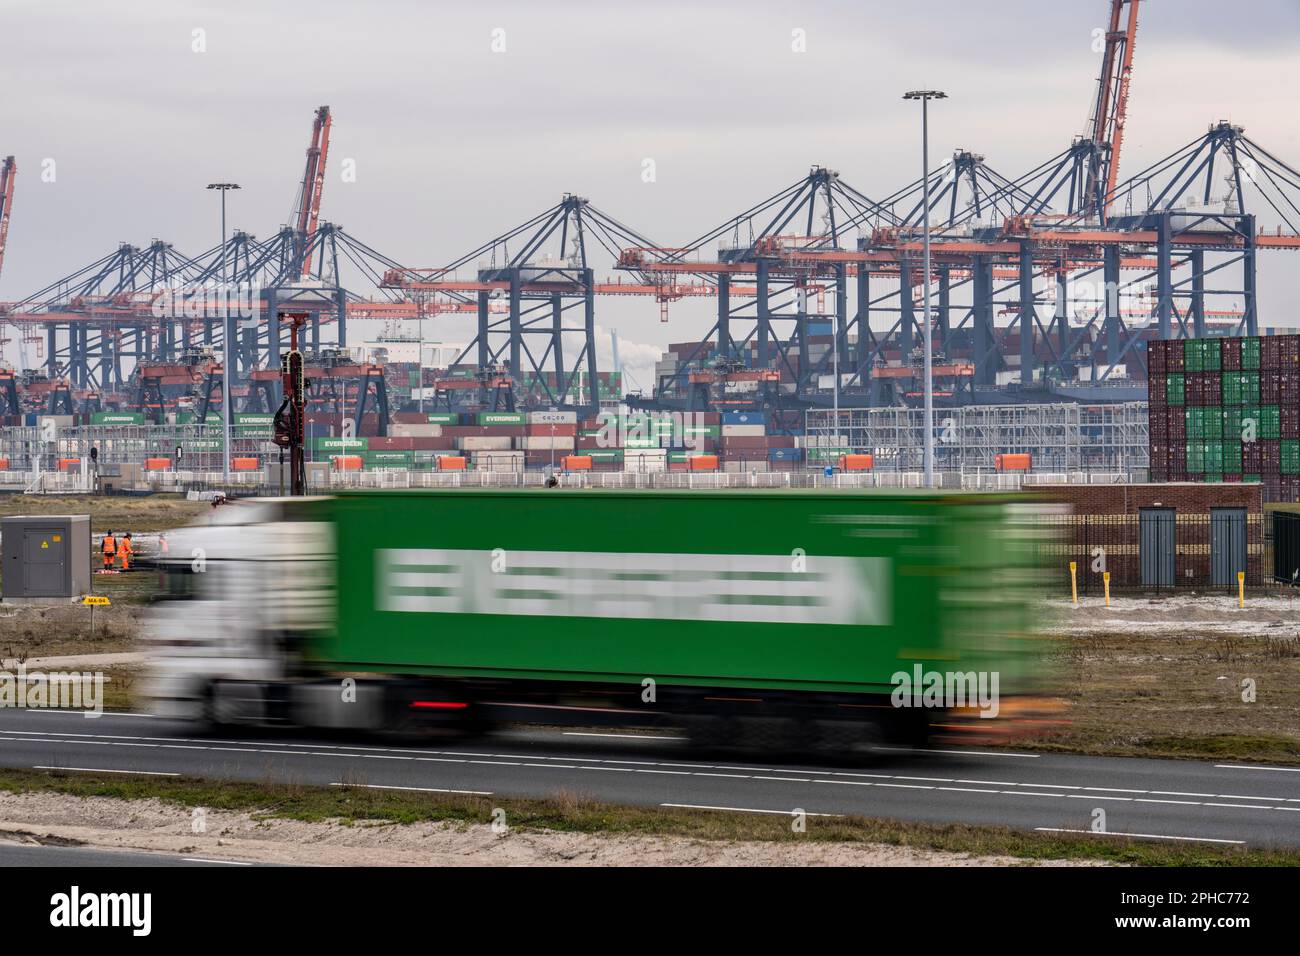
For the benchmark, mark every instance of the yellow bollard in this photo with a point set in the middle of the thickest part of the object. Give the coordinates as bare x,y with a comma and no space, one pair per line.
1241,589
1074,583
1105,580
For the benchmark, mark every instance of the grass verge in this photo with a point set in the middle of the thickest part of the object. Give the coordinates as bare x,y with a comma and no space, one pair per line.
574,814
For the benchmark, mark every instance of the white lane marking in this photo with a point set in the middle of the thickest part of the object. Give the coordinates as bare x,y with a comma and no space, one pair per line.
84,713
760,774
376,786
1141,836
197,859
959,753
576,733
143,773
1030,793
781,813
1243,766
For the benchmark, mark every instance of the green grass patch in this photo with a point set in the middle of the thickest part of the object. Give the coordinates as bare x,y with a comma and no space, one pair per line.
575,814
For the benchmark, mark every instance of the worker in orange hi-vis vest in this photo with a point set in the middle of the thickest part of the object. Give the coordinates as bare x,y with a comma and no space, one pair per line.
124,553
109,549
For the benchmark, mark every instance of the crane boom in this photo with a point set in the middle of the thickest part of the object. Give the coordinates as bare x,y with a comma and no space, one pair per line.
1110,110
7,174
313,180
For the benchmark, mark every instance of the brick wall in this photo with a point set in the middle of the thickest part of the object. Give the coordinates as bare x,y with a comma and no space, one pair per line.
1107,517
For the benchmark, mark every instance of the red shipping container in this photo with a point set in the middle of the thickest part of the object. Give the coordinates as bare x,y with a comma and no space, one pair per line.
1177,428
1270,387
1159,425
1156,357
545,431
1229,477
1232,355
1290,421
432,444
1174,359
390,444
1251,458
1270,456
780,441
482,431
744,442
1288,351
1271,352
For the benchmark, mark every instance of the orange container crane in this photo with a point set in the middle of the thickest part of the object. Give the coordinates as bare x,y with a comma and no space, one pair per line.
313,181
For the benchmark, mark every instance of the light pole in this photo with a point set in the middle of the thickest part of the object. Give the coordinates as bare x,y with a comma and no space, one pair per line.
226,338
925,96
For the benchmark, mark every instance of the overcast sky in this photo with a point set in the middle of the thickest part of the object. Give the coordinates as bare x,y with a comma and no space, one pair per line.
454,143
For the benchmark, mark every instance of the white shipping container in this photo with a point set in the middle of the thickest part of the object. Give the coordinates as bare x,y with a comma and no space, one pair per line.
416,431
552,418
744,431
647,464
484,443
547,443
499,461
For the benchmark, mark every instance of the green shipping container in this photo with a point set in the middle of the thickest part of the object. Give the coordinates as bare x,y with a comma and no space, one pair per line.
1250,388
1195,457
390,459
1174,388
117,418
339,445
1232,457
1211,354
1250,422
444,418
1232,424
1250,353
500,418
1290,456
1213,424
1214,458
1194,355
1195,423
1231,388
1270,421
418,596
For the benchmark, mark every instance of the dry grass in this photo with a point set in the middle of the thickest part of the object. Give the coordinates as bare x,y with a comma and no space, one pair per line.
1181,695
134,514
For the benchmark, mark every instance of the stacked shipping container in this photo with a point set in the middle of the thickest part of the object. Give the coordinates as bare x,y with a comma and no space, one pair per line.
1227,409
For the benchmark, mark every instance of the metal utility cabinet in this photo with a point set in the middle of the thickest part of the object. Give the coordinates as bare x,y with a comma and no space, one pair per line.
45,557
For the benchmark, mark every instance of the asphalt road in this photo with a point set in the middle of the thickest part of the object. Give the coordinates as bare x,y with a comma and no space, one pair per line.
1158,799
29,854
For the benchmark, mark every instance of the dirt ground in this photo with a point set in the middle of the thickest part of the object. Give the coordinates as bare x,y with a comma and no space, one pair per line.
130,513
151,825
1167,675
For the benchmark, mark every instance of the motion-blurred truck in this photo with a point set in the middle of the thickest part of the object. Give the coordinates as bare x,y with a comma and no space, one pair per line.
812,619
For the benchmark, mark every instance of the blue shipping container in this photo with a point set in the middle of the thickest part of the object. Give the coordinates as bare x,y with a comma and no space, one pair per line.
744,418
785,454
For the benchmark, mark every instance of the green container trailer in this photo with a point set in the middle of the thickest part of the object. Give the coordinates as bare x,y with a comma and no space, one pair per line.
813,607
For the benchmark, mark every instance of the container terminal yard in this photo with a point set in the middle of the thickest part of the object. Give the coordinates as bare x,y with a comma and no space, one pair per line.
962,530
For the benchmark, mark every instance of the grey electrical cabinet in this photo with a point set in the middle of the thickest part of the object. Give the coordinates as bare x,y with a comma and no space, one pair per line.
45,557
